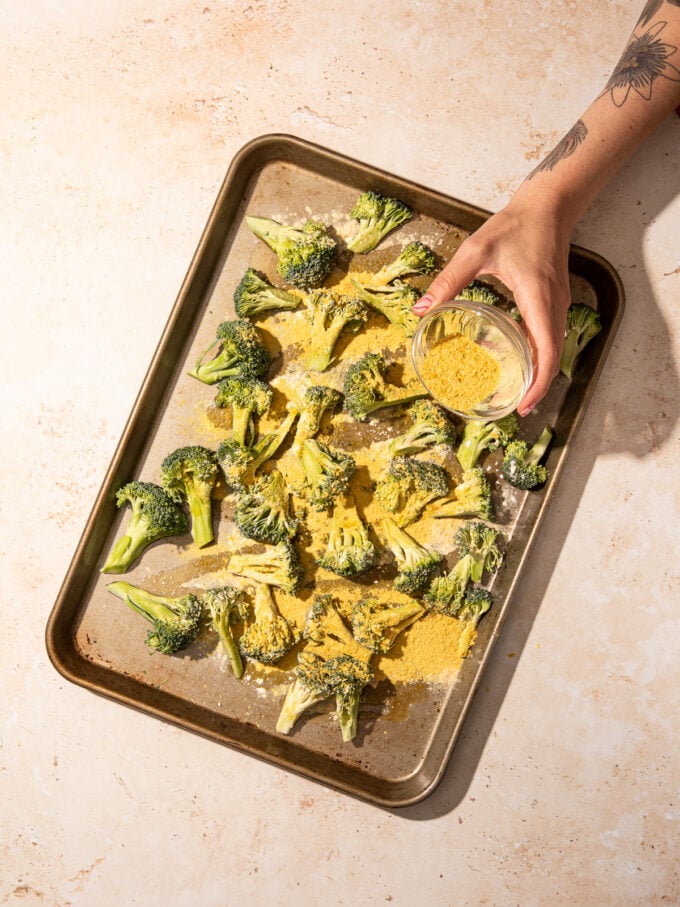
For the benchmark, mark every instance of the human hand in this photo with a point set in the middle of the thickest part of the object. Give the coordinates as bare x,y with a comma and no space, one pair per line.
526,246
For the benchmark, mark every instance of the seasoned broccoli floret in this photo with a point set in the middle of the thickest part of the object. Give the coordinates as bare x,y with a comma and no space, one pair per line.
377,216
478,291
155,515
376,625
263,511
446,592
240,464
349,550
238,350
431,425
415,563
254,296
415,258
316,401
470,497
247,397
226,605
278,566
480,436
407,486
330,313
327,473
176,621
476,603
367,391
583,323
306,255
270,635
479,542
347,677
190,474
394,301
521,463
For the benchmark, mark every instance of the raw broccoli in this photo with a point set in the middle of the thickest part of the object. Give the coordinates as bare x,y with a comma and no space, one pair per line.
407,486
366,390
377,216
476,603
415,563
327,473
240,463
415,258
306,255
480,292
155,515
583,323
330,313
470,497
263,511
479,542
480,436
176,621
325,628
376,625
190,474
238,350
347,677
349,550
278,566
270,635
431,425
446,592
394,301
247,398
226,606
521,463
316,401
254,295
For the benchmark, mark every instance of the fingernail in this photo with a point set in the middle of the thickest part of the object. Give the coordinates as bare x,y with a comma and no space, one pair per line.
525,411
423,304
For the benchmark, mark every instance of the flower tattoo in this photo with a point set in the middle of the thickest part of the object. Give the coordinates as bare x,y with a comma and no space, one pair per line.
644,60
652,7
564,148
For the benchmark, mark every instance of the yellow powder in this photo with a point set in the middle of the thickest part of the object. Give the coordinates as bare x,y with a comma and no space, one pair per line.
433,648
460,373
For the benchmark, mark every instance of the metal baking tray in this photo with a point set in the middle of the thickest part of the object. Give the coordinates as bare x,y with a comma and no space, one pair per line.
399,756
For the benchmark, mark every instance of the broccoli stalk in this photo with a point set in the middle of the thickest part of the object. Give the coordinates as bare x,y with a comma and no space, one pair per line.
521,463
227,606
367,391
330,313
263,512
479,542
395,302
349,550
305,255
269,636
190,473
176,621
377,216
309,687
155,515
407,486
470,497
583,323
240,464
238,350
415,563
480,436
415,258
377,625
254,296
278,566
316,401
327,473
431,426
247,397
347,677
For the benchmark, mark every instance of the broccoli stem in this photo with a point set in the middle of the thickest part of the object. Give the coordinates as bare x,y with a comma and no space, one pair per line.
212,371
201,520
321,353
298,699
126,550
230,647
347,710
141,601
241,425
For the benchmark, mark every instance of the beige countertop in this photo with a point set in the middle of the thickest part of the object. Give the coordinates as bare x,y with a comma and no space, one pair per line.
119,123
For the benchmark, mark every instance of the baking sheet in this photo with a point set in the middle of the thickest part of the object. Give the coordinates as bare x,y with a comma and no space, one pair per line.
406,732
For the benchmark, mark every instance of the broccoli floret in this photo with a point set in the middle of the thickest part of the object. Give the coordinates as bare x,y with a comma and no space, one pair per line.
415,563
325,627
316,401
155,515
376,625
407,486
247,398
431,425
240,463
238,350
347,677
366,390
330,313
270,635
263,512
226,606
254,295
476,603
470,497
479,542
176,621
521,463
415,258
190,474
480,436
306,255
349,550
394,301
278,566
446,592
327,473
377,216
478,291
583,323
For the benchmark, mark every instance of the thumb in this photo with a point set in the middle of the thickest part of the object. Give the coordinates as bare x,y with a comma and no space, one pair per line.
457,274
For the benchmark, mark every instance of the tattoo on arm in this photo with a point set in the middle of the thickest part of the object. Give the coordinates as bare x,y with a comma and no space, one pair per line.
651,8
564,148
644,60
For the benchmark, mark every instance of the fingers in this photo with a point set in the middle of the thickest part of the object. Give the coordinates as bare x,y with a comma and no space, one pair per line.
546,333
457,274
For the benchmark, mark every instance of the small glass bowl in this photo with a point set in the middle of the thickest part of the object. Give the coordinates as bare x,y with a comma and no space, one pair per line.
491,328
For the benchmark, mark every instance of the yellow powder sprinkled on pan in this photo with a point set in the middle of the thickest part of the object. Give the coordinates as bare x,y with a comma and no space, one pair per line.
460,373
